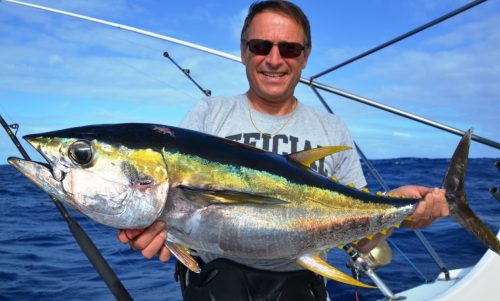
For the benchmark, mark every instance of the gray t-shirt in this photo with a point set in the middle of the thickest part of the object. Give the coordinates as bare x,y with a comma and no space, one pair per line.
305,128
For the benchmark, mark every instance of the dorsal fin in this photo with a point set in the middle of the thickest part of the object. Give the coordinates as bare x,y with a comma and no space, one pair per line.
307,157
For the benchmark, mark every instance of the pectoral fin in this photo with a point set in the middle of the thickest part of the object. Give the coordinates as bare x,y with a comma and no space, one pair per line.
308,157
314,263
229,196
182,254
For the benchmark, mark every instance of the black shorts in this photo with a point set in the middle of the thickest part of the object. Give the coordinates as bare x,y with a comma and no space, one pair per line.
226,280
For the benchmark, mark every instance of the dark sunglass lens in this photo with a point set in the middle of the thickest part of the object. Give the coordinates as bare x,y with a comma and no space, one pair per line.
263,47
290,50
260,47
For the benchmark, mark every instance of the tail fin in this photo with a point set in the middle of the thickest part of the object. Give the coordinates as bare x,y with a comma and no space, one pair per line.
457,202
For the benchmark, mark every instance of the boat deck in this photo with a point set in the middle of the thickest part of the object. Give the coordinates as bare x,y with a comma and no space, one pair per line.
479,282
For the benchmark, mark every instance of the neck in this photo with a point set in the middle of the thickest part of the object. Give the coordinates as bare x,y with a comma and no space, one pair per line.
278,108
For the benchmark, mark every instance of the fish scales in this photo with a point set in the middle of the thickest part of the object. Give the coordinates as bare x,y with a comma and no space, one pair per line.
303,219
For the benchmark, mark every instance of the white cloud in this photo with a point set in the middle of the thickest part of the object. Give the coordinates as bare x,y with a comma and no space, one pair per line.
55,59
401,134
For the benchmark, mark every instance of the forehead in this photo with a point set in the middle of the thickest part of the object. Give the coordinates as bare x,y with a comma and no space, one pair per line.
275,26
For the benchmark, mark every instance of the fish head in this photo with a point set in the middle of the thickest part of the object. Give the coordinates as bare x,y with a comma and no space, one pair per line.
105,179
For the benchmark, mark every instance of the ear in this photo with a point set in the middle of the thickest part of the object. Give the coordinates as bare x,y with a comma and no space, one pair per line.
243,50
306,57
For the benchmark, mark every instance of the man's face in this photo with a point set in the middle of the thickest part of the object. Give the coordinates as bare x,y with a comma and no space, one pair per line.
273,78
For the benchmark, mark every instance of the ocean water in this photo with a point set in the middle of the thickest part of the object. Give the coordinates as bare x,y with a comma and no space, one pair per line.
39,259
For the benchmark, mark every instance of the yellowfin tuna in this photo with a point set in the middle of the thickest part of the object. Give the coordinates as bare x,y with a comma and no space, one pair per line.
222,197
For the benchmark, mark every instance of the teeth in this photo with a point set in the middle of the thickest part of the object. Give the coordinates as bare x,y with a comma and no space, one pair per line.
273,74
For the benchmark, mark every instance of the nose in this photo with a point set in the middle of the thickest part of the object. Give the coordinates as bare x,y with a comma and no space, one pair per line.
274,58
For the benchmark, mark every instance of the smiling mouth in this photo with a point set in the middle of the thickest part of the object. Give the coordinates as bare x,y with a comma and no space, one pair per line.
274,74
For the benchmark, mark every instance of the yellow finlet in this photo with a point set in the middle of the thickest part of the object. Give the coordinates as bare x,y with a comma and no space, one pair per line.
370,237
182,253
307,157
384,231
365,190
335,179
351,185
397,225
409,218
314,263
380,193
340,246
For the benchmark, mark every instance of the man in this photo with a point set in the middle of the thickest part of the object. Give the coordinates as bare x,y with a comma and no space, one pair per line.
275,46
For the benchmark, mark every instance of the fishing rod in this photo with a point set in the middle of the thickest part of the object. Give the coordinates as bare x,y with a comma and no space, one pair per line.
370,166
401,113
308,82
393,110
425,242
88,247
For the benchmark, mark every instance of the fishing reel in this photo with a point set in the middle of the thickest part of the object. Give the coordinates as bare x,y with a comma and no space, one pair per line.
365,264
378,257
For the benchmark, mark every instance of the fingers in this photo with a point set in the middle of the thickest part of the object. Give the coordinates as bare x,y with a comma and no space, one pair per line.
164,254
145,238
433,207
124,236
365,245
150,241
154,246
436,205
411,191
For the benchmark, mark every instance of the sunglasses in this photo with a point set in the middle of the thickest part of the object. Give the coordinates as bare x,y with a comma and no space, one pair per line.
263,47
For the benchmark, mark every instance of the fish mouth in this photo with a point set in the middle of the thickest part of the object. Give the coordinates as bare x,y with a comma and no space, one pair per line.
42,175
38,173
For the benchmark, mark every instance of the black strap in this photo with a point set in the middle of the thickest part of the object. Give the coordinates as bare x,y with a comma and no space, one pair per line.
223,279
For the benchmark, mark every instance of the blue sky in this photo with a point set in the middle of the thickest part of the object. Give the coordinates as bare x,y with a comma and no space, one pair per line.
58,72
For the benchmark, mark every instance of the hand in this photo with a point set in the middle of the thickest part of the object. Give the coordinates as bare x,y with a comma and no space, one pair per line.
365,245
151,241
433,206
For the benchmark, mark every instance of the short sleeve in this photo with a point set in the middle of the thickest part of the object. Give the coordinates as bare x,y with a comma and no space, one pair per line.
196,118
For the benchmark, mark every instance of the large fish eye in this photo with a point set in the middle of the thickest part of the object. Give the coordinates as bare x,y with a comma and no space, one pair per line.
80,152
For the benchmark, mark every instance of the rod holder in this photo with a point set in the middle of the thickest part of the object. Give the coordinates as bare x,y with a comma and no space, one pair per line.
187,72
494,189
495,192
